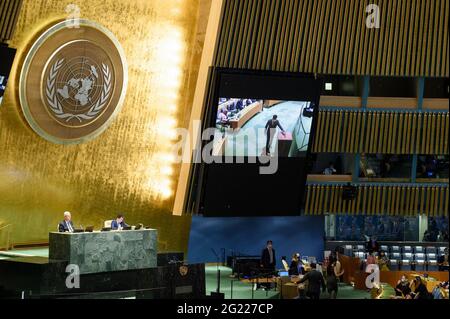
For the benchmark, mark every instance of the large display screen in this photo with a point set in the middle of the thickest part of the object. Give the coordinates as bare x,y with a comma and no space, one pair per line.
256,127
257,154
6,61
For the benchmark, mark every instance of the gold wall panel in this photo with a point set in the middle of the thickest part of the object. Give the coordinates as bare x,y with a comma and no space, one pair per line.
129,167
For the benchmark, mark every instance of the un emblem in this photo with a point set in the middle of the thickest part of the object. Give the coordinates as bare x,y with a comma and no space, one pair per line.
73,82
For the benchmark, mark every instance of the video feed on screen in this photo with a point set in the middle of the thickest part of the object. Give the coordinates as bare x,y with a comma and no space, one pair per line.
3,80
253,127
6,60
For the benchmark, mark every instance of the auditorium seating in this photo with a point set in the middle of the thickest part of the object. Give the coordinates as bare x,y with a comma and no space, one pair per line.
418,249
407,249
395,264
431,256
420,261
432,265
360,248
348,250
395,249
420,258
407,260
394,255
361,255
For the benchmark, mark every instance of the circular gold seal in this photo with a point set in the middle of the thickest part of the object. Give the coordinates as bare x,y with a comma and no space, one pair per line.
183,270
73,82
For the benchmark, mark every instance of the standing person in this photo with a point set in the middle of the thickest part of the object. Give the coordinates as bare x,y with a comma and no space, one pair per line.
332,284
270,127
268,261
268,257
372,245
296,267
372,259
66,226
334,272
383,261
315,281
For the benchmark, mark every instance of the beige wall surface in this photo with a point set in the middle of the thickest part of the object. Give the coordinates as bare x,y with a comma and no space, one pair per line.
129,168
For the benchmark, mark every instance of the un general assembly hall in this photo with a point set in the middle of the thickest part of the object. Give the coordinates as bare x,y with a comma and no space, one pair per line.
257,152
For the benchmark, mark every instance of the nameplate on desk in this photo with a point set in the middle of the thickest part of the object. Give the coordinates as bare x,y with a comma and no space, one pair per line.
183,290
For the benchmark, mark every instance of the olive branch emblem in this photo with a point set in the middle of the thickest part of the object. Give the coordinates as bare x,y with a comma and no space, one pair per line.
56,107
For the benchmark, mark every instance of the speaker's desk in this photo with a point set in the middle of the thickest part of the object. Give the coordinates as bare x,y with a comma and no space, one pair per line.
245,115
96,252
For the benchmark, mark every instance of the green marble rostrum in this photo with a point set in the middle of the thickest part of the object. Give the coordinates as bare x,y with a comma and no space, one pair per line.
106,251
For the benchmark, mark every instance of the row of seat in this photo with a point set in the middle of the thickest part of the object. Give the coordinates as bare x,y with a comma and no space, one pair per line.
400,249
402,256
407,261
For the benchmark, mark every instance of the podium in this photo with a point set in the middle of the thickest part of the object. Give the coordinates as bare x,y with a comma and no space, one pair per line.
284,144
97,252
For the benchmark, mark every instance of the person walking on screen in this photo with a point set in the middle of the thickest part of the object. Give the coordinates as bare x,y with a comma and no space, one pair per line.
271,128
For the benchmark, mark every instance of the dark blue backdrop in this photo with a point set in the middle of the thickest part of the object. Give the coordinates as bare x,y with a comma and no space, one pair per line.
248,235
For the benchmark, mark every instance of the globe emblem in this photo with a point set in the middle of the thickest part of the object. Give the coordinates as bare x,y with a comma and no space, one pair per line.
80,85
73,82
77,90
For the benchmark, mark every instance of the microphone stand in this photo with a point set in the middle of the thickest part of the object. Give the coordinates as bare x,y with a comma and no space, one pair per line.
218,270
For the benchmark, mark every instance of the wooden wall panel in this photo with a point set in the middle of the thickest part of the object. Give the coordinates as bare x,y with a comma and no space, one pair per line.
393,200
382,132
9,12
331,36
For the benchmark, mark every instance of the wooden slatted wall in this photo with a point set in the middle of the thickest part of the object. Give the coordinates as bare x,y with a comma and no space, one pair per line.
331,37
9,12
379,200
382,132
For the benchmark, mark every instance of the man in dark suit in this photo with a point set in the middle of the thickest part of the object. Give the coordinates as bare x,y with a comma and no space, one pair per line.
270,128
118,223
268,260
315,281
66,226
